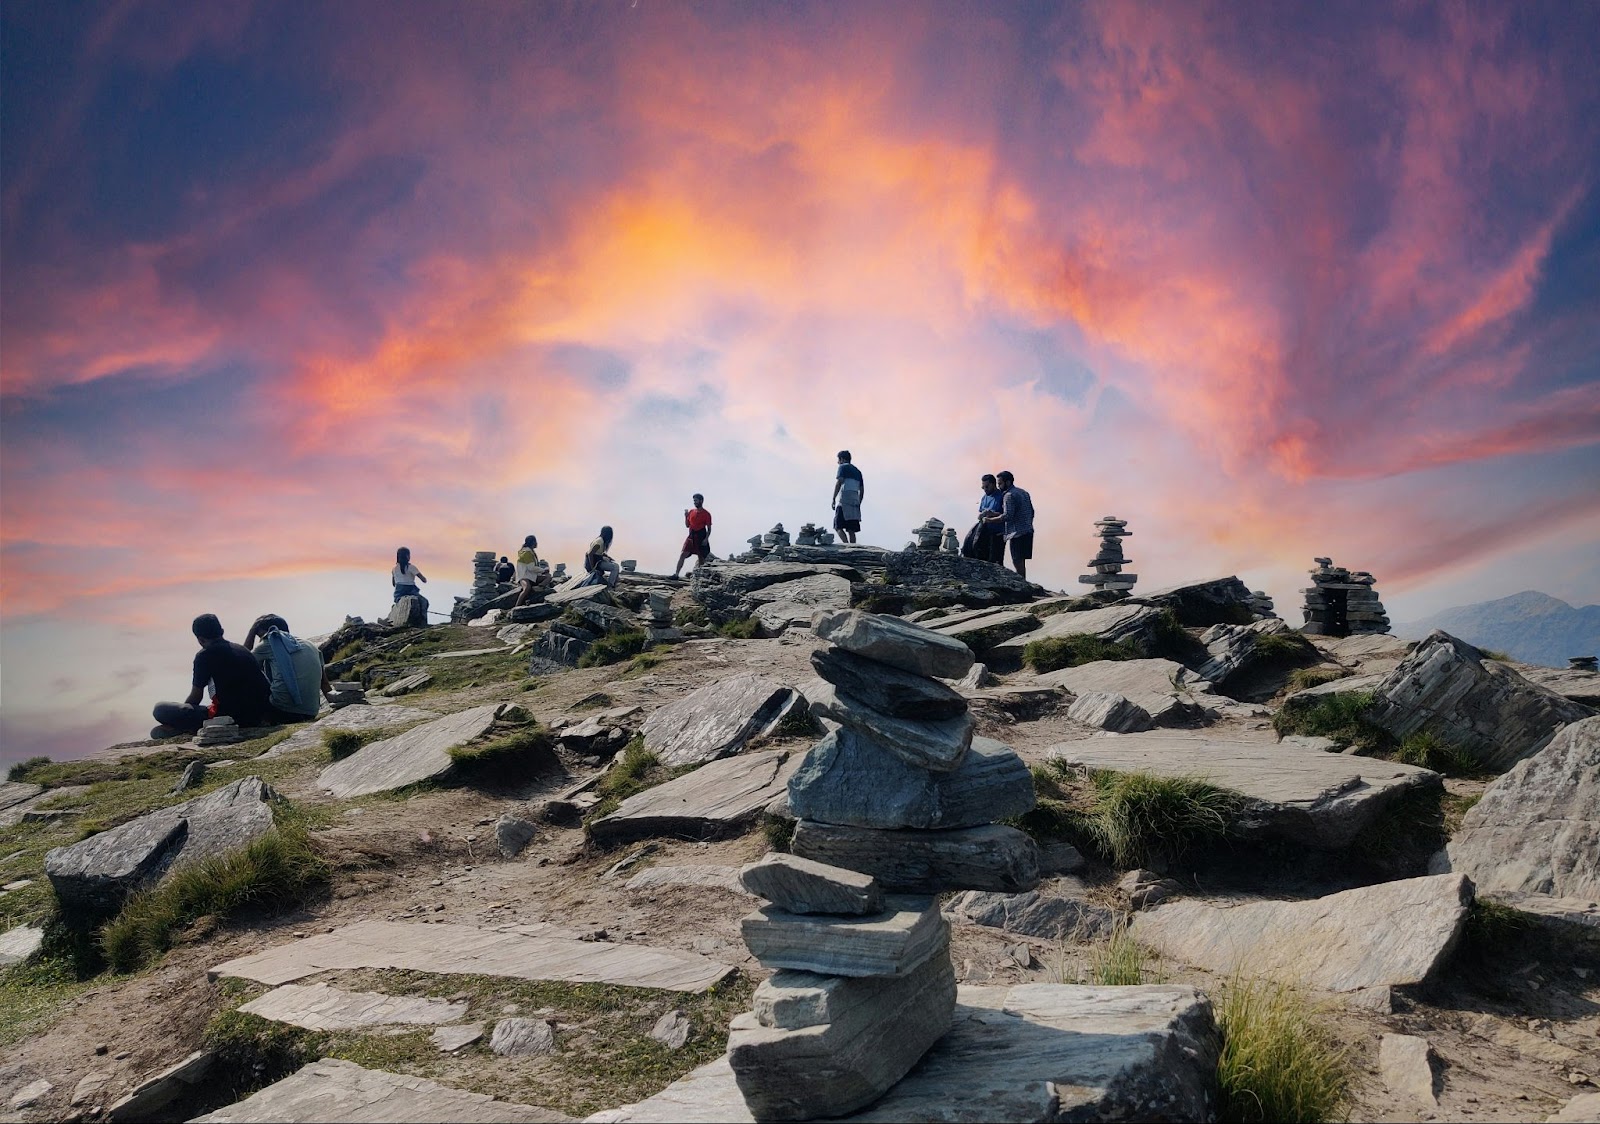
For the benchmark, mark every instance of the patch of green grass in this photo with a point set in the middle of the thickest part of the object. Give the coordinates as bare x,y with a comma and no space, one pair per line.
798,723
1492,931
596,700
744,628
342,743
1304,678
530,685
1170,640
1122,961
1140,819
1279,1061
1284,647
779,832
1056,652
35,994
1496,655
630,773
614,648
643,662
1432,752
1404,836
511,748
1059,813
690,616
275,869
1340,717
19,771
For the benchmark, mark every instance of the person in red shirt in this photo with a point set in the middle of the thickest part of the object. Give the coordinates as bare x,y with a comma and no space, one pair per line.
698,541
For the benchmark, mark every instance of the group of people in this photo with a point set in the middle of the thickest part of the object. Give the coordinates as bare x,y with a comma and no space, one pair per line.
273,678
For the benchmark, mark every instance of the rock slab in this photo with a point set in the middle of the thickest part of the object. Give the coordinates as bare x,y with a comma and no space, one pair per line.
713,800
895,642
523,1038
1161,688
19,943
992,857
717,720
1133,623
938,746
1035,914
1405,1062
888,690
798,885
891,943
1392,934
321,1007
421,753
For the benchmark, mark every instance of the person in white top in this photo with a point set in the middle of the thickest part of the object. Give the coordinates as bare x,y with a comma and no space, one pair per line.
404,577
529,574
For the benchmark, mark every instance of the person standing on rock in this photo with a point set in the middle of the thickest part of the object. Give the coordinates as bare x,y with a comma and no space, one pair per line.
528,572
1015,519
849,489
240,690
698,541
295,675
597,561
404,577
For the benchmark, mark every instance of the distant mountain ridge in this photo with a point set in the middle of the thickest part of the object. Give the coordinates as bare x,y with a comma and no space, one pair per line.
1530,626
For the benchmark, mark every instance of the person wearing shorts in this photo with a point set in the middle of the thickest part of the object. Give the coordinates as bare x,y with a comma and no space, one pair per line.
697,543
849,489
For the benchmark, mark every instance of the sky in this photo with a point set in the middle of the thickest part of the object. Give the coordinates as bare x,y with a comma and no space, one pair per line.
284,286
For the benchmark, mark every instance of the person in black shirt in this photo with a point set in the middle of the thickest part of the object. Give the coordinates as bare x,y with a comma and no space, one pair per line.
241,691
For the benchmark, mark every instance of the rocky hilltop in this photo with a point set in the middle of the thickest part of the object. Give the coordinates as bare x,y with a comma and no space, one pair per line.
830,832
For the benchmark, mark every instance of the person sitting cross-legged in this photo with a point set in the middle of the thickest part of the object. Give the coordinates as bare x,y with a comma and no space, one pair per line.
238,687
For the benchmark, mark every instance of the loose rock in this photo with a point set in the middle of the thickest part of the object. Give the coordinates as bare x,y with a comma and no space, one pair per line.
798,885
886,689
890,943
718,720
992,857
894,642
512,834
520,1038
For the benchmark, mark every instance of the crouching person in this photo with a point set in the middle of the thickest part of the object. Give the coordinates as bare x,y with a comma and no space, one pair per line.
239,688
293,669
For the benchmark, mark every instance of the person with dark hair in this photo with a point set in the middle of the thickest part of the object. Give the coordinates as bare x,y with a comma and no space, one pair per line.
849,489
238,688
1016,521
529,574
504,571
295,675
597,562
404,577
987,541
698,542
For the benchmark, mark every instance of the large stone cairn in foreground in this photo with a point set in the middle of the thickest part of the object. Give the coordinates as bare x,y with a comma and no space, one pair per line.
895,804
1109,560
1363,612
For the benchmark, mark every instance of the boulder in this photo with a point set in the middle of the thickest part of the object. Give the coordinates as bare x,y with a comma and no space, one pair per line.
21,942
572,594
1048,916
1232,648
1203,603
847,778
908,931
992,857
1126,621
1107,710
795,602
520,1038
98,873
926,577
1405,1063
1447,688
512,834
888,690
938,746
732,590
870,1033
672,1029
719,719
410,612
1582,1109
715,800
1536,830
1164,690
1033,1052
421,753
895,642
1392,934
1321,800
798,885
983,630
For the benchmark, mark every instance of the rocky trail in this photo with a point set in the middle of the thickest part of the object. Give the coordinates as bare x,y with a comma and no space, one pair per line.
839,800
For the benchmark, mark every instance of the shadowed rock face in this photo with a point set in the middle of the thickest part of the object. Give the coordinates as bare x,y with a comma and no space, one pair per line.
899,694
714,800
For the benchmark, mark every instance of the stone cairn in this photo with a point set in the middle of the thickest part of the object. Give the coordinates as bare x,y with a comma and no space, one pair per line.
484,587
810,534
220,730
1109,561
1261,605
1363,612
952,541
895,805
1583,663
928,536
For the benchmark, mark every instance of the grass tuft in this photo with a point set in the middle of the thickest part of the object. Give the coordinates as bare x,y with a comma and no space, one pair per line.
1057,652
275,869
643,662
1493,931
1122,961
20,771
779,831
1304,678
614,648
342,743
1340,717
630,773
509,748
1284,647
1278,1062
745,628
1432,752
689,616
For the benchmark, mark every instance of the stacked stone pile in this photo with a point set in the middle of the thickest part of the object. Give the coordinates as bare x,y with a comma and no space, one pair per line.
1261,605
1109,560
775,538
812,535
1583,663
952,541
221,730
863,987
1342,602
929,536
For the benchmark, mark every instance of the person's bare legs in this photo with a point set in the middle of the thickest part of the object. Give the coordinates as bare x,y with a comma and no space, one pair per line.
677,571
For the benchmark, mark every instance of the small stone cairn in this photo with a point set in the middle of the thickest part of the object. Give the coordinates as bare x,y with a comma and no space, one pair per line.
810,534
1363,611
1108,562
928,536
1583,663
220,730
775,538
895,804
952,541
1261,605
483,590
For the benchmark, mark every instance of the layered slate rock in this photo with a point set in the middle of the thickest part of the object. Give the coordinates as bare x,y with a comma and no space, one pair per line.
992,857
1108,710
1568,682
795,602
1164,690
367,717
1126,621
321,1007
732,590
1389,935
421,753
98,873
848,779
1034,1052
338,1090
1203,603
922,744
718,720
1320,800
1447,688
714,800
798,885
1536,830
1234,648
891,943
982,631
1035,914
895,642
899,694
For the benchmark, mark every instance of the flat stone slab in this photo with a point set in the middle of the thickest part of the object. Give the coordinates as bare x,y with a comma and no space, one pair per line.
796,602
715,799
1202,603
420,754
1536,830
1161,688
13,793
1034,1052
372,716
98,873
982,631
1579,686
1582,1109
321,1007
465,950
1389,935
891,943
717,720
898,643
1320,800
1123,621
707,877
888,690
799,885
847,778
1048,916
19,943
992,857
939,746
338,1090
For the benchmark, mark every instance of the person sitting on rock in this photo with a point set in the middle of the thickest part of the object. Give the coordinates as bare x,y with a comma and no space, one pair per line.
293,669
849,489
529,574
504,571
1016,521
698,542
598,564
404,577
239,689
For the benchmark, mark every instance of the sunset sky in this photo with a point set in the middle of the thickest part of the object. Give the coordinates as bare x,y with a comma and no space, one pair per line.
286,285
